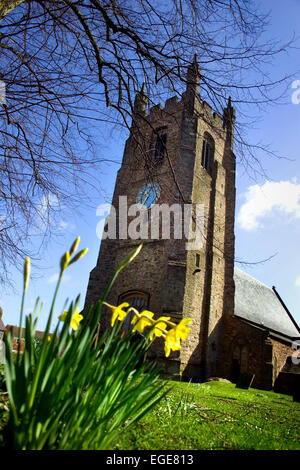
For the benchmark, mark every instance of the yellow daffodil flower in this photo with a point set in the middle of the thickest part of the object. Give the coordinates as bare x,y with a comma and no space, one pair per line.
159,326
118,312
173,336
140,322
181,330
75,320
172,342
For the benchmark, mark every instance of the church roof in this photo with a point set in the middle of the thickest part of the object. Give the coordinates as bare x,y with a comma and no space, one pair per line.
261,306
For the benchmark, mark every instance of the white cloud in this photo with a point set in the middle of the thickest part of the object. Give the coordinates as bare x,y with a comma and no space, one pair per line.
62,225
54,278
264,200
297,282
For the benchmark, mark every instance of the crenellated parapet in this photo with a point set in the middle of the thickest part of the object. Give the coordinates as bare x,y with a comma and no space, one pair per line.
174,106
190,105
188,108
155,112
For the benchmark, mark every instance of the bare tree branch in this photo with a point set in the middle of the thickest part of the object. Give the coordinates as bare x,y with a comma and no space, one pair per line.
67,64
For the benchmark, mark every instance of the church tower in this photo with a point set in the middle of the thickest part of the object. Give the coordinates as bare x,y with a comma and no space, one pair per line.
180,154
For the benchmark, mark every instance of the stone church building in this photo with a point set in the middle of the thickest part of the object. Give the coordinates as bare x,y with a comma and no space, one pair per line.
182,153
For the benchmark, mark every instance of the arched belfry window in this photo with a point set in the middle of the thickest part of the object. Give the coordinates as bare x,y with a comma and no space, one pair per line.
158,146
137,299
208,150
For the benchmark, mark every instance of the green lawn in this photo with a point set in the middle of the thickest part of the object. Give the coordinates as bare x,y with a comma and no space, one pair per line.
212,415
217,415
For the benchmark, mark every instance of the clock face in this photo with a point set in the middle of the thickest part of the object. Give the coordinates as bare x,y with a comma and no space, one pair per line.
148,195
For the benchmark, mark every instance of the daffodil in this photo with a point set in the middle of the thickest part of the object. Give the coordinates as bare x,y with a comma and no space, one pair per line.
159,326
64,261
74,246
118,312
63,316
130,257
78,256
175,334
172,342
140,322
181,330
75,320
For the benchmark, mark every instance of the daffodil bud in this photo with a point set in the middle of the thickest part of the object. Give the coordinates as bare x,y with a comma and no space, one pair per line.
64,262
74,246
130,257
26,272
78,256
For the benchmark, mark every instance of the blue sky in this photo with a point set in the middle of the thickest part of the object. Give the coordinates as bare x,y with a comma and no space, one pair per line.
267,208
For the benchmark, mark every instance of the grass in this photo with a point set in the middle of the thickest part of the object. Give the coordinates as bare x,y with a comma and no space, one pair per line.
211,416
217,415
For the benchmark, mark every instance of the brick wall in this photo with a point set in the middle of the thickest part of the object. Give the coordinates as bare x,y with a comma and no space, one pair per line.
15,332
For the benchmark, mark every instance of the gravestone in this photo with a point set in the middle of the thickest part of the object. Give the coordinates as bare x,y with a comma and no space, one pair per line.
296,389
245,380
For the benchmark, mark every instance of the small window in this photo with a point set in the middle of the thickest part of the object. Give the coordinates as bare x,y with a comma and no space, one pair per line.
206,155
207,152
197,260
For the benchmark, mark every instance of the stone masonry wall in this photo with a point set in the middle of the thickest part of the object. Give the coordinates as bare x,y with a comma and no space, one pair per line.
164,269
281,350
238,335
264,354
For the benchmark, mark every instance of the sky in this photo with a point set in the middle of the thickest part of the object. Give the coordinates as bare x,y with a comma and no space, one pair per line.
268,210
267,223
